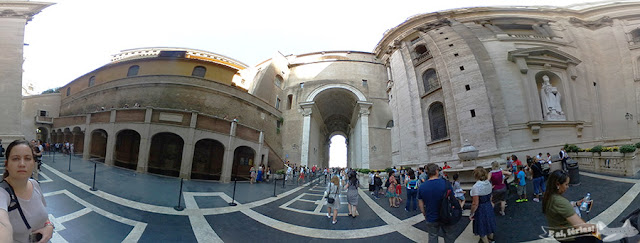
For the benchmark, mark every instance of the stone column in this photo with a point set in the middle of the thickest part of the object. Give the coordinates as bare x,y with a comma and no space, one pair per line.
227,163
364,127
86,149
307,109
188,149
14,15
145,142
111,139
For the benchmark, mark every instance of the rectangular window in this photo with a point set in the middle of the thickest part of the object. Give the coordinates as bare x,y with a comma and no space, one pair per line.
278,103
467,87
290,101
473,113
364,82
43,113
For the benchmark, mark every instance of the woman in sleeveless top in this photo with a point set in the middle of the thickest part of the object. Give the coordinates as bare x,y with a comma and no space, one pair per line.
352,193
499,191
332,191
484,221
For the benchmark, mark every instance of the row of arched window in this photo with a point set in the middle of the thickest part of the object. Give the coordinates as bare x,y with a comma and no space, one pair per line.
198,71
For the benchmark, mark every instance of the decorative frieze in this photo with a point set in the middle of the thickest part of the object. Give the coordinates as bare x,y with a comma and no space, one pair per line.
605,21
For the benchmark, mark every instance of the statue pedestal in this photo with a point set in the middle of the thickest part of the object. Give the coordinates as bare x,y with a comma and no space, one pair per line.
555,117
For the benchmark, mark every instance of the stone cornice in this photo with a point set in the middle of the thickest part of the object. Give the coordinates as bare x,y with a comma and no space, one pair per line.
614,10
21,9
592,25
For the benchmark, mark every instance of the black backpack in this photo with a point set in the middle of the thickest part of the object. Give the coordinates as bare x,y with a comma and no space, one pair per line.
450,211
388,183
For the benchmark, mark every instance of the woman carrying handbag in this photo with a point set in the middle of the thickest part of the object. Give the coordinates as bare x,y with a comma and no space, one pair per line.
333,199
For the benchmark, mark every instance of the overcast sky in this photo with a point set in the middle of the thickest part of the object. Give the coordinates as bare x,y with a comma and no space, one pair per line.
74,37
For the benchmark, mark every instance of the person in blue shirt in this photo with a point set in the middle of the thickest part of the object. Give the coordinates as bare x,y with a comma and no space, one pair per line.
522,189
430,195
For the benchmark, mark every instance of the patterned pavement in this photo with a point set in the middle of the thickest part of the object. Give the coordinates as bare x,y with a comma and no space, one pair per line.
134,207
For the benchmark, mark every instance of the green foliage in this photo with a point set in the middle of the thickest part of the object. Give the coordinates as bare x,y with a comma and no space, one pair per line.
364,171
628,148
388,170
50,91
571,148
638,145
280,172
597,149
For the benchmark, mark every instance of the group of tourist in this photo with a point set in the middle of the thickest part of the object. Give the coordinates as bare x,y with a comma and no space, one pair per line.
488,194
260,174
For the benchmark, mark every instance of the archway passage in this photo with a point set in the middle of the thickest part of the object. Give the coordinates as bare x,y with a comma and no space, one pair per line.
127,148
338,151
335,110
42,134
98,144
165,155
207,160
242,161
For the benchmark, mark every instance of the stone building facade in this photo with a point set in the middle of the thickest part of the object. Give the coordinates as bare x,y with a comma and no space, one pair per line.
508,80
479,75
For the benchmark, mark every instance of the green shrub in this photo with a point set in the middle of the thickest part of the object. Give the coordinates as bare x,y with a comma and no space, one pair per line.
571,148
388,170
629,148
364,171
606,149
280,172
638,145
597,149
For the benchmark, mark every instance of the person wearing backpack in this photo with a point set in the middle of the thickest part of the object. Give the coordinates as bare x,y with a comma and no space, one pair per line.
484,220
430,196
412,191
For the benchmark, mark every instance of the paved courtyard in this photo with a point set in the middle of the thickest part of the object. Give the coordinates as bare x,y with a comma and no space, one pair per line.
134,207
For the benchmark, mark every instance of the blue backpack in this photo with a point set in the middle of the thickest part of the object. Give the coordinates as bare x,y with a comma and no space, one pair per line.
413,184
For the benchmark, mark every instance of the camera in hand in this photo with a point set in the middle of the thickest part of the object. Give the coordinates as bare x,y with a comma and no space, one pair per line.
35,237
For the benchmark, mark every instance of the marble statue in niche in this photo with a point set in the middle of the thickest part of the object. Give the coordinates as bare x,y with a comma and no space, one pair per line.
550,98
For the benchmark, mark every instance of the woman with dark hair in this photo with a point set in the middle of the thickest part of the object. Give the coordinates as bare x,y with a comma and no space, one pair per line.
484,221
412,191
352,193
26,195
559,211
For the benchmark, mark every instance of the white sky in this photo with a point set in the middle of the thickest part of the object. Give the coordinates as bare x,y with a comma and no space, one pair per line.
338,152
74,37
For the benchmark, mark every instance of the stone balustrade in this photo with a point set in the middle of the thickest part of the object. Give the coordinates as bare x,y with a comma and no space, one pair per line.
613,163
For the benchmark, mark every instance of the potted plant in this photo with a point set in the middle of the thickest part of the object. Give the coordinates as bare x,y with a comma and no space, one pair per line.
628,150
597,149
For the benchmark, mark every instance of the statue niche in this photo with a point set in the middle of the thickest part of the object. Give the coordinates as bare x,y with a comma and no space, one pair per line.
550,99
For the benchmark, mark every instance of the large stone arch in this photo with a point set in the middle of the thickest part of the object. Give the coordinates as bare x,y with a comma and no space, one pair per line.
165,154
127,148
331,108
208,158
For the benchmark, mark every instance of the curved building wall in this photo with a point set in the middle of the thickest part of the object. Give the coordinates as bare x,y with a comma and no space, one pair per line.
171,101
491,64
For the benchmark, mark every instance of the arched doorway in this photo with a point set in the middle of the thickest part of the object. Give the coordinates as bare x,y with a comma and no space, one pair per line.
207,160
98,148
242,162
335,109
165,155
127,147
42,134
77,140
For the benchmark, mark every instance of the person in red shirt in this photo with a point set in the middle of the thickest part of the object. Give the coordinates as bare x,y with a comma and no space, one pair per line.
516,161
446,166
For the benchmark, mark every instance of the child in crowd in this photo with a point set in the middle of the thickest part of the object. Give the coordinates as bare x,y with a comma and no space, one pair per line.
521,184
458,192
